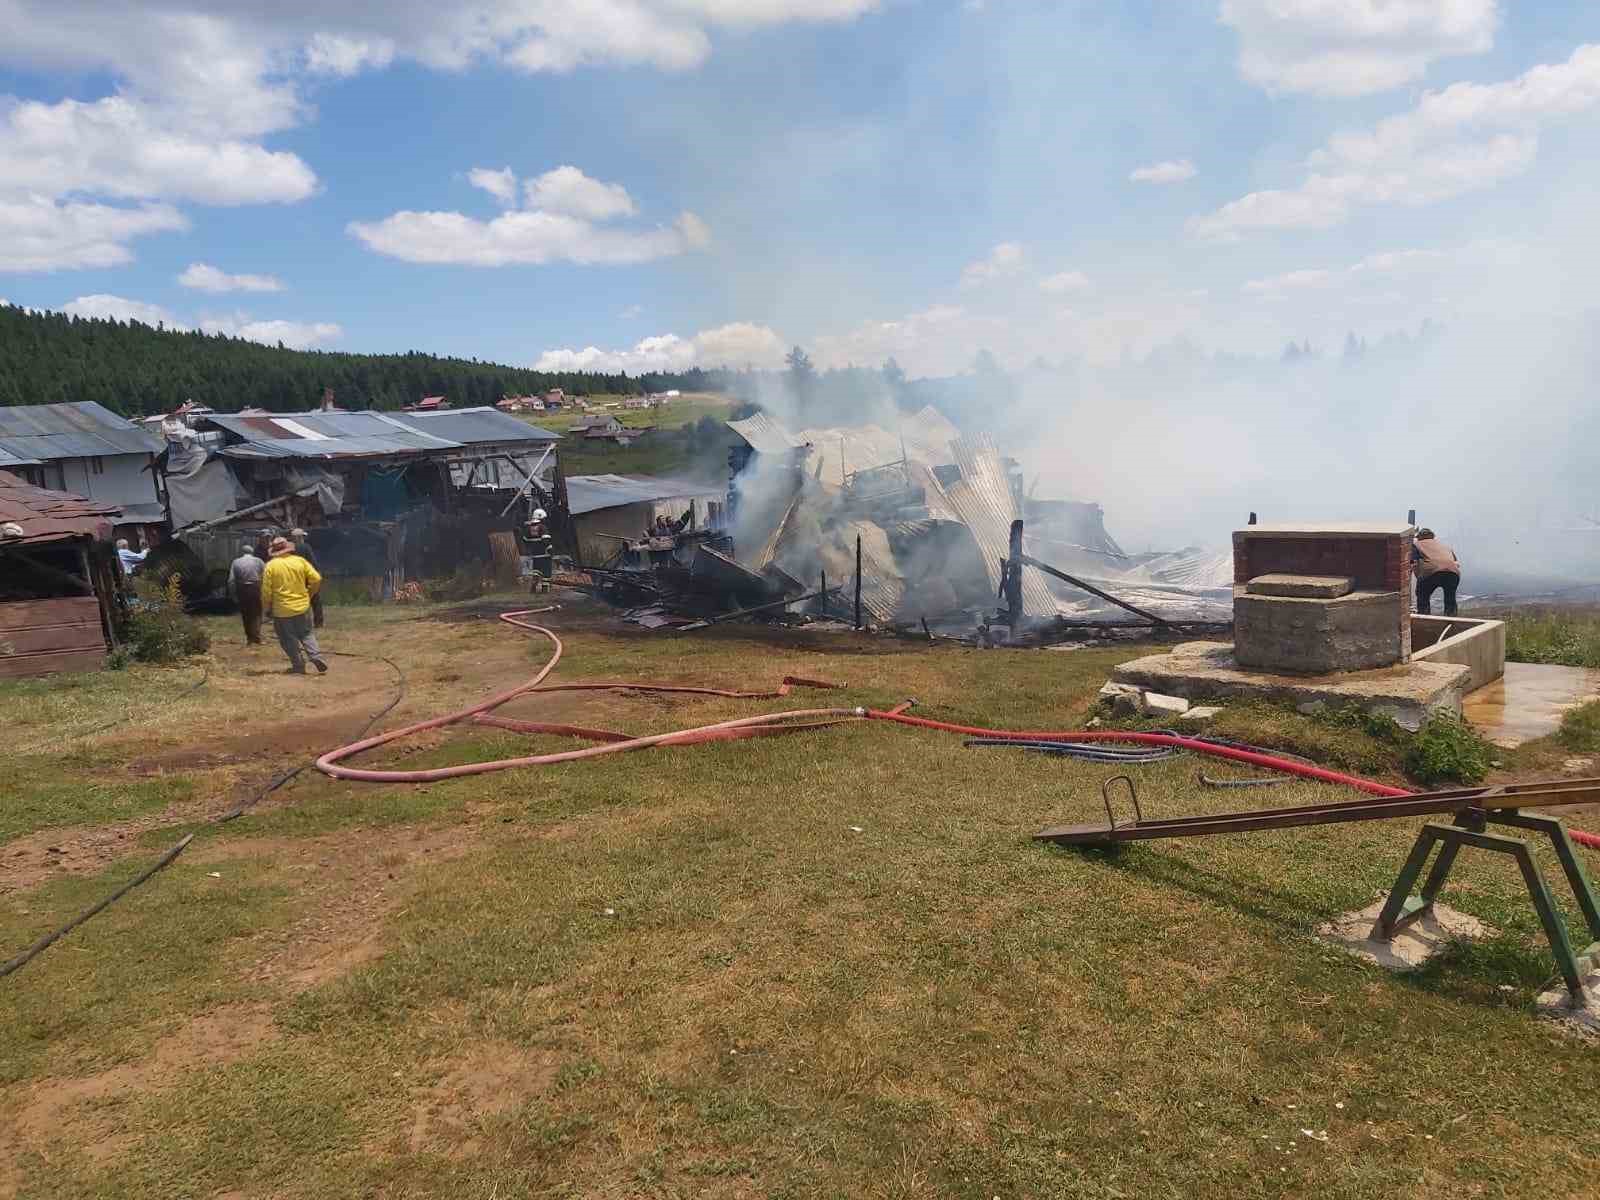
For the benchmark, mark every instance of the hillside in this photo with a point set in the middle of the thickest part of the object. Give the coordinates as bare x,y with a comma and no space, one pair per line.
133,369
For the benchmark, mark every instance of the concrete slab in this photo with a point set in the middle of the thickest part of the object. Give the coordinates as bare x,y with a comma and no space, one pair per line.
1208,671
1556,1004
1157,705
1309,587
1528,701
1412,946
1201,712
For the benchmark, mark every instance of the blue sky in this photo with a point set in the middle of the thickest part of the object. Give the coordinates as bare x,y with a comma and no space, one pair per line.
711,180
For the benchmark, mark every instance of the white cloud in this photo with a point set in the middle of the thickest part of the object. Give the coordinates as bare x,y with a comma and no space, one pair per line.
1172,171
736,345
501,184
632,311
295,335
1065,281
1005,259
332,54
568,190
118,308
117,147
1466,137
567,221
522,238
191,90
206,278
1353,47
38,233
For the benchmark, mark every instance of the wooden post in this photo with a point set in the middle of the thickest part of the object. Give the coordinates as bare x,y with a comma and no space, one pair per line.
858,581
822,596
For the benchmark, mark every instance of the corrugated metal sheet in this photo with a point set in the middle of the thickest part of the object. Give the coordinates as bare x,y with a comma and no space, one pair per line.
80,430
7,459
982,498
324,435
46,516
590,493
475,426
765,435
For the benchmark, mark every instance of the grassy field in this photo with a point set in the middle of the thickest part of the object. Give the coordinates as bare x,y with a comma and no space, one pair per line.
670,450
832,964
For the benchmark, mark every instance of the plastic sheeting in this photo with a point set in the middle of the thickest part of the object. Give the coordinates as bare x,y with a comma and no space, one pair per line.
326,486
207,492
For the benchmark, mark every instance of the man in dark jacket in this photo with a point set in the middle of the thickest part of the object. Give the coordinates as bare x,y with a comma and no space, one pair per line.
302,547
1436,567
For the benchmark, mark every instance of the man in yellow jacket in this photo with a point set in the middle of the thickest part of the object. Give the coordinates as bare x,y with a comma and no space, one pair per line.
287,585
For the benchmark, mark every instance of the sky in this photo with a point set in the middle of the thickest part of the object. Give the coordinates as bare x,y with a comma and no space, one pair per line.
656,184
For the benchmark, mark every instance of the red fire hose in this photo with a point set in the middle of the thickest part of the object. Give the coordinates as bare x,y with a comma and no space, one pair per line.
768,725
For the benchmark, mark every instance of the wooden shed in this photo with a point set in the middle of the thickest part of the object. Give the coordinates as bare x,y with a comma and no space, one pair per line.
59,580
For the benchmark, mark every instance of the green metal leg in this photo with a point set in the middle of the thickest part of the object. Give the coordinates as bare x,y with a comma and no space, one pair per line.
1402,907
1582,889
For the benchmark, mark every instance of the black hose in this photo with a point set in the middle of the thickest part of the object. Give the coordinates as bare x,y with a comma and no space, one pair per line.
182,844
49,939
1085,751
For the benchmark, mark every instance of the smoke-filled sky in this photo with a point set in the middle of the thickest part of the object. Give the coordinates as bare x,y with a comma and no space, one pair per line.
657,183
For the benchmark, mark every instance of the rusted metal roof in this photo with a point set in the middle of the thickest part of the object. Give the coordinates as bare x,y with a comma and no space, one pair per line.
42,432
47,516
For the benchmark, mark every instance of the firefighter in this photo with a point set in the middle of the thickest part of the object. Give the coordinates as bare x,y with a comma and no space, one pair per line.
539,546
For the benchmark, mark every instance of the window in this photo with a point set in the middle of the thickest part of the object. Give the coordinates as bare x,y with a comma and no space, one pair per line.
97,465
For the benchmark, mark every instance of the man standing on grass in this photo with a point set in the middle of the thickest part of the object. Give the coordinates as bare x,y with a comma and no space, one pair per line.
244,585
1436,566
302,547
287,586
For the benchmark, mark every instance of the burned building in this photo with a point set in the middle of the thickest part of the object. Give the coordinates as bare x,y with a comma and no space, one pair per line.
384,496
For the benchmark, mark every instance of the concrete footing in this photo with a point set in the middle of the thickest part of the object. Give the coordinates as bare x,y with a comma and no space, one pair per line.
1556,1004
1412,946
1208,671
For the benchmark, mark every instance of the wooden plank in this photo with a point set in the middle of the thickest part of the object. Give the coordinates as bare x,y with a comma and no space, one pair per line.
51,664
43,639
65,610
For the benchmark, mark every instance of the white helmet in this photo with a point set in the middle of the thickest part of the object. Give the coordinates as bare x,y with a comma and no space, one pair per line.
538,514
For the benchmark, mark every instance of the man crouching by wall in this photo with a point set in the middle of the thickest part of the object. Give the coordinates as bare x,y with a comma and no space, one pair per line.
287,586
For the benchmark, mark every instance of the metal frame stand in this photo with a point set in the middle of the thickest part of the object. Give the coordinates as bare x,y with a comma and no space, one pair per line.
1402,907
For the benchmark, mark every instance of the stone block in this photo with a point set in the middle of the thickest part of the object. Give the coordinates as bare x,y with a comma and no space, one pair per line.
1299,636
1201,712
1308,587
1122,698
1157,705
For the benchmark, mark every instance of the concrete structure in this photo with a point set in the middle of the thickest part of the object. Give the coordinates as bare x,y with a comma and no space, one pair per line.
86,450
1476,644
1313,599
1209,671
